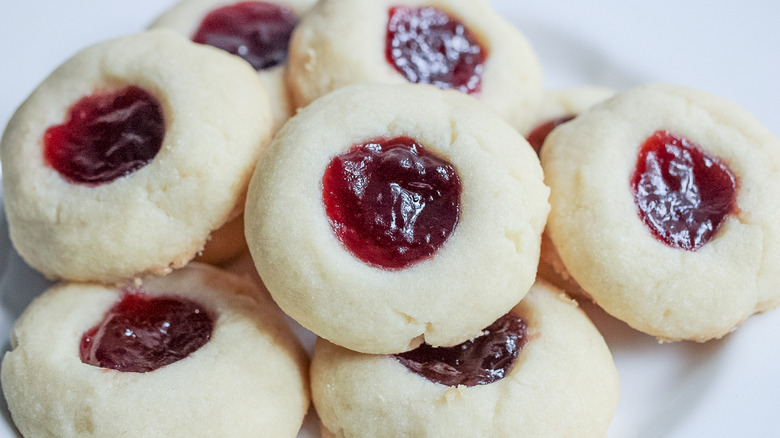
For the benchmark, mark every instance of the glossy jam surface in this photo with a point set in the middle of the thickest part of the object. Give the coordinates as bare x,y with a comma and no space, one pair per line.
141,333
106,136
257,31
428,46
480,361
683,194
539,134
391,202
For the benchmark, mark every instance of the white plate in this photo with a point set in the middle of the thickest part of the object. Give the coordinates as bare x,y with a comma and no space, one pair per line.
723,388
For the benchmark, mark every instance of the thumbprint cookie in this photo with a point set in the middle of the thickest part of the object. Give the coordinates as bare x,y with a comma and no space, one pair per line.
452,44
197,353
129,155
664,210
385,215
541,370
257,31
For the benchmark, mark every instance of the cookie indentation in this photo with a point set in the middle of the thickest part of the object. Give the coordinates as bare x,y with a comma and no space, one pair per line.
480,361
428,46
391,202
683,194
106,135
142,333
257,31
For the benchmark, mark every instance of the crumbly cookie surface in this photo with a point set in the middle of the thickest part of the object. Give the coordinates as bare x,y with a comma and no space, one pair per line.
217,119
595,225
185,17
564,383
342,42
249,379
483,269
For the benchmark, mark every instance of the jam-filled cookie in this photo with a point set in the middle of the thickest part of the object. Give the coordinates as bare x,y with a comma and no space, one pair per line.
664,210
382,215
257,31
541,370
197,353
129,155
558,107
453,44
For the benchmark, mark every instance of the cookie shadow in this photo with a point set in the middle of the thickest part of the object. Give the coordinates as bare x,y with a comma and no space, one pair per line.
668,380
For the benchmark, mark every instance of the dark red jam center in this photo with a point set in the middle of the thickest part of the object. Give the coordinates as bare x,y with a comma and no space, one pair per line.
428,46
142,333
106,136
480,361
391,202
684,195
257,31
539,134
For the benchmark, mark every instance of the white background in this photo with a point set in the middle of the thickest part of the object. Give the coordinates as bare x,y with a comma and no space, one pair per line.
723,388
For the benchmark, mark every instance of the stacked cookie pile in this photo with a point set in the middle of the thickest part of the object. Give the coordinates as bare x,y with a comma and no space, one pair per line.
400,215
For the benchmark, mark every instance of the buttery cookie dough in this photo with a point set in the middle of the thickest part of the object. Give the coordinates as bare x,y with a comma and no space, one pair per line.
483,269
595,223
217,121
560,105
563,383
249,379
185,17
342,42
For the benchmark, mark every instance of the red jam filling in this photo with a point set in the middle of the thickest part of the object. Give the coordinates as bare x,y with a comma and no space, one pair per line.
684,195
391,202
480,361
257,31
428,46
142,333
539,134
106,136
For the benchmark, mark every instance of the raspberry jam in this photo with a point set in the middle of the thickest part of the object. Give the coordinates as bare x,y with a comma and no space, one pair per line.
391,202
684,195
142,333
428,46
106,136
480,361
539,134
257,31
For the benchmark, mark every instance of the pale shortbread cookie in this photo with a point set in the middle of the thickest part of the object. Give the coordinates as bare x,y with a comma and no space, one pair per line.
185,17
564,384
217,122
557,104
249,379
342,42
483,269
669,293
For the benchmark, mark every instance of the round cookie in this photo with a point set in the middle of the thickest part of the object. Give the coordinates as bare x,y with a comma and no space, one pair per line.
342,42
563,383
215,121
559,106
249,379
186,16
603,237
484,267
